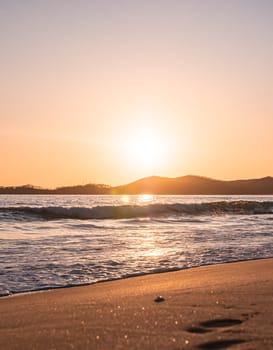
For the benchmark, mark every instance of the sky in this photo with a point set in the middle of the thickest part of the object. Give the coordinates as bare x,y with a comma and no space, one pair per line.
107,91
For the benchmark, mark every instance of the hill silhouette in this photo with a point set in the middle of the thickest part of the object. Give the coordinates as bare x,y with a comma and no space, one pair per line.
188,185
195,185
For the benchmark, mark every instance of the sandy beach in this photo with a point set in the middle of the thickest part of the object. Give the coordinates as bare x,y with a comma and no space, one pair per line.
212,307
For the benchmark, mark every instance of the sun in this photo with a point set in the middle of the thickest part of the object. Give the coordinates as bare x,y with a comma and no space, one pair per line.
145,148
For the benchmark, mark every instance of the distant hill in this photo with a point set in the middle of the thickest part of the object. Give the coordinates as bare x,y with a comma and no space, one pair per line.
190,184
79,189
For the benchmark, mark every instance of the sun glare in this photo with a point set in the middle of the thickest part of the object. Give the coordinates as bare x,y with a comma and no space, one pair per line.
145,149
145,198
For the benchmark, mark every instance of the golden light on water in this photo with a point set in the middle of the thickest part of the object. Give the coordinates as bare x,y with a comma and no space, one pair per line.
146,241
143,198
149,245
139,199
125,199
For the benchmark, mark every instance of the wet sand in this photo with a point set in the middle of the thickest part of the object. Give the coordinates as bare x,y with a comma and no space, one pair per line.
213,307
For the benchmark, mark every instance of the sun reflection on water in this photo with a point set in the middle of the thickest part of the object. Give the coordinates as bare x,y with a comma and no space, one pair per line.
145,242
148,244
143,198
139,199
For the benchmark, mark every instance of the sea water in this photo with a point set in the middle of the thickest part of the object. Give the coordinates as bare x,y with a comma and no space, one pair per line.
59,241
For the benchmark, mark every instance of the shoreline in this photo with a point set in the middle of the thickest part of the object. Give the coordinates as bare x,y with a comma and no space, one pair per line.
226,305
26,292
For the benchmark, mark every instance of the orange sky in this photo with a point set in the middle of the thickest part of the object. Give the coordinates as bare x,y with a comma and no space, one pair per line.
107,92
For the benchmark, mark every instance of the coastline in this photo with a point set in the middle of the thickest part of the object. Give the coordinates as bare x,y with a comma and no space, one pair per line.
209,307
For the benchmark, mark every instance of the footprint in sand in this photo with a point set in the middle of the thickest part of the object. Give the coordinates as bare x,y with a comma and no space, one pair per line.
220,344
217,323
208,326
198,330
221,322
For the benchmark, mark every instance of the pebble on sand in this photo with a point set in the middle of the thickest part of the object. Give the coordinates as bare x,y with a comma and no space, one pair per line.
159,299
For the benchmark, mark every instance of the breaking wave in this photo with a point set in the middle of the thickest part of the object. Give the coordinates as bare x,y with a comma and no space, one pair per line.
137,211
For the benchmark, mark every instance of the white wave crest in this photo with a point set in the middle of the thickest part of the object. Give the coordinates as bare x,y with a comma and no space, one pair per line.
137,211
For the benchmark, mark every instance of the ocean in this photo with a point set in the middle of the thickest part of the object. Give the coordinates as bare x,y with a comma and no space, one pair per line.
67,240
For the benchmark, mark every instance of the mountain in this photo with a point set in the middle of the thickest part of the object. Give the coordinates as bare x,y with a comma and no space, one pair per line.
189,185
195,185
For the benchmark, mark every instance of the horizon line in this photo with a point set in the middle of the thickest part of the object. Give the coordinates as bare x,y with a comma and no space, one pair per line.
28,185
